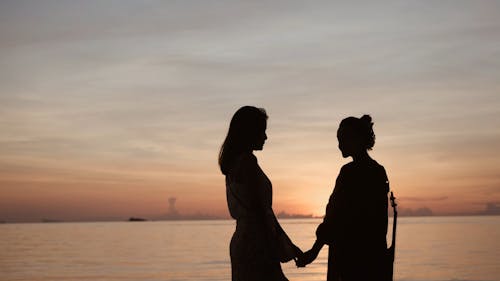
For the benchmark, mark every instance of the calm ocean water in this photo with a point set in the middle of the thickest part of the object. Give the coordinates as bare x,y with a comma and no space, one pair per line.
430,248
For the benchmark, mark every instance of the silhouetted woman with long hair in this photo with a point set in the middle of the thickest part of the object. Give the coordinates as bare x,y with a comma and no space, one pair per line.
259,243
355,223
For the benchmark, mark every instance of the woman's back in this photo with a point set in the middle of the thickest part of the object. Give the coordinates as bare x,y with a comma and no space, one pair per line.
358,210
363,189
356,214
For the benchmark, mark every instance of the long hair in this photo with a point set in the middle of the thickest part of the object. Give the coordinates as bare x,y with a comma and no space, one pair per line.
246,125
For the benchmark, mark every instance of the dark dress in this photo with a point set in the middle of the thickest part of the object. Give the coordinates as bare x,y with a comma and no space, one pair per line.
355,223
253,251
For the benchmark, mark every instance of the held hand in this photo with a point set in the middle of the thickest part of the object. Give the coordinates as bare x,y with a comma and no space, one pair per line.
291,252
298,252
307,258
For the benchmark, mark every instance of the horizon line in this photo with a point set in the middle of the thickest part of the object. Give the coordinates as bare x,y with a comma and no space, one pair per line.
43,221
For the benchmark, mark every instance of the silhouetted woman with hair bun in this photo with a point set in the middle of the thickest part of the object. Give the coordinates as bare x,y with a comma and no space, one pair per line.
355,223
259,243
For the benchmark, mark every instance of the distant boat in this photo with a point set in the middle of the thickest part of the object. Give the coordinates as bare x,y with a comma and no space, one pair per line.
136,219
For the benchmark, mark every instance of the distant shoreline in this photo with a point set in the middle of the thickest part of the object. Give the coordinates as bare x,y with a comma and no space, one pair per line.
219,219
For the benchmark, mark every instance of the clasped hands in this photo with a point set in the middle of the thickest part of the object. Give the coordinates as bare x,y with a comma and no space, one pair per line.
308,257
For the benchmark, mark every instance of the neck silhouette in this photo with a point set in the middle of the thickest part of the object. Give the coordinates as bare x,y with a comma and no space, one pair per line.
361,156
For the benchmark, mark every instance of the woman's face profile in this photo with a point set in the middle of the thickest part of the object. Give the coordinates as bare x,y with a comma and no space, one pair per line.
260,140
347,145
343,146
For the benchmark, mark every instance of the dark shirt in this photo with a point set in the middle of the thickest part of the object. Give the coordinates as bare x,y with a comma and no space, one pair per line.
355,223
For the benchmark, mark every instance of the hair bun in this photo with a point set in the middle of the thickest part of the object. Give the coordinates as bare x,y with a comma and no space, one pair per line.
366,118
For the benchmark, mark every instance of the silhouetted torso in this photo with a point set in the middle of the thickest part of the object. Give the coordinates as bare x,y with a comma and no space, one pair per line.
355,223
249,198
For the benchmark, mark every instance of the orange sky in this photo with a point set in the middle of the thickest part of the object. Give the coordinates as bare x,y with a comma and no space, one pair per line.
107,111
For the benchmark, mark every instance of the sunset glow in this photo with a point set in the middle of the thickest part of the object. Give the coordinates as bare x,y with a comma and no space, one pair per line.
108,109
